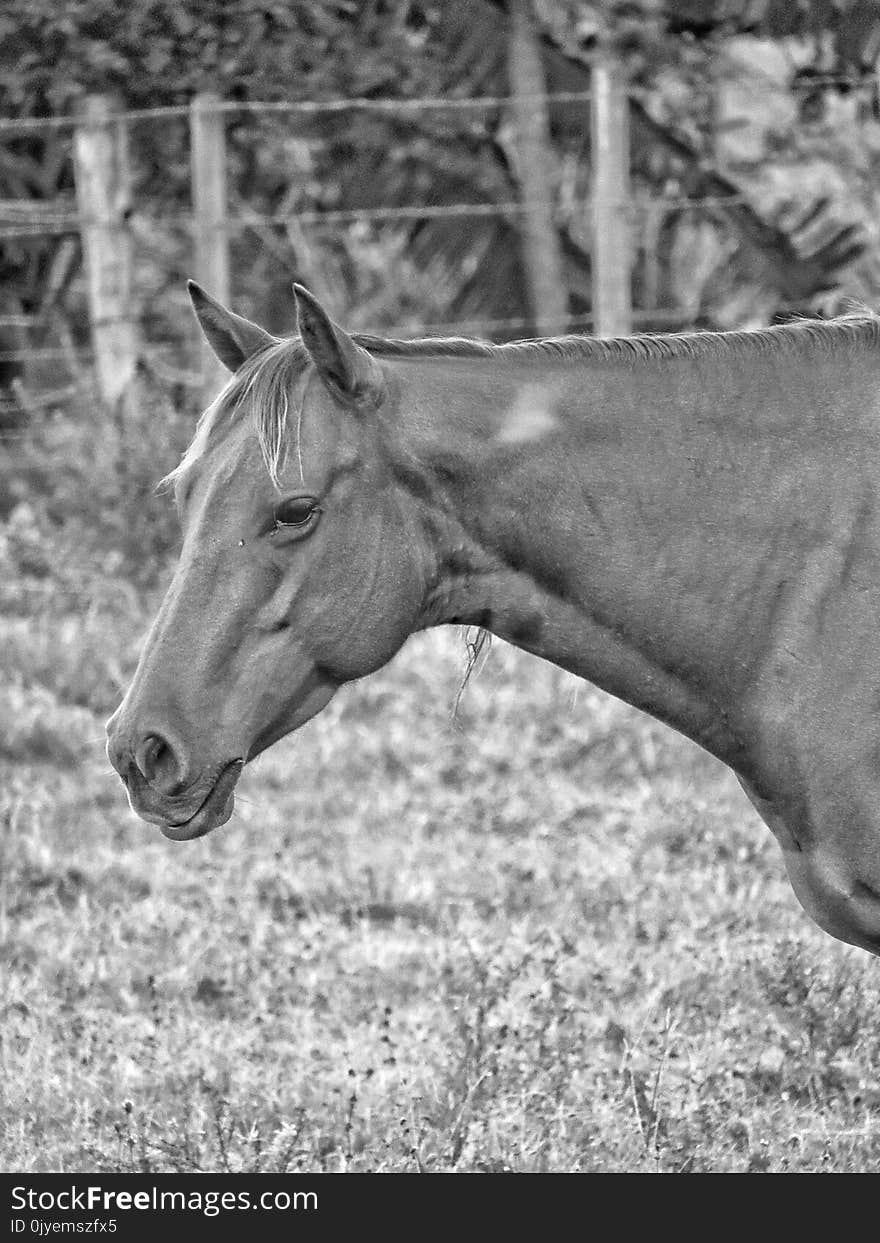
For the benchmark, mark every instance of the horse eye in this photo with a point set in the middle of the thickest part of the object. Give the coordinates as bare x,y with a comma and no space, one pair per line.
296,512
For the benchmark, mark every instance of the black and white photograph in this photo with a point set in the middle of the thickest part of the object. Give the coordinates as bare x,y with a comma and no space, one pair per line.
439,597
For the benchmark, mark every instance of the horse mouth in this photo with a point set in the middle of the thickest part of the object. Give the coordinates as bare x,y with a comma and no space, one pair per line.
215,810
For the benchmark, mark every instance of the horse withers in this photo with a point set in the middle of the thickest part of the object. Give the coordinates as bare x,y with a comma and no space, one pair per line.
689,522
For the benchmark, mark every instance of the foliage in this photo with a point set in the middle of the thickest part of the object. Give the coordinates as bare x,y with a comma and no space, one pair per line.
163,52
81,503
712,265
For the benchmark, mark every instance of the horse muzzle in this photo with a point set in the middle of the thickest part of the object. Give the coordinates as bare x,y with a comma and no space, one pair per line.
189,814
215,809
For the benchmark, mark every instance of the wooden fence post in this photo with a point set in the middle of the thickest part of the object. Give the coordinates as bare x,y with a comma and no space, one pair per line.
609,110
543,263
208,157
103,194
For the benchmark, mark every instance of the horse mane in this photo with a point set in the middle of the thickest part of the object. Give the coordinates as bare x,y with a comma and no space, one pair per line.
269,378
859,327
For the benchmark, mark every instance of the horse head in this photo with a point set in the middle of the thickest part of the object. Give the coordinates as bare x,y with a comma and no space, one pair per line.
299,570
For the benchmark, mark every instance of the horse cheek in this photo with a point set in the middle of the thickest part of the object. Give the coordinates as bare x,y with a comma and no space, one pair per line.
369,614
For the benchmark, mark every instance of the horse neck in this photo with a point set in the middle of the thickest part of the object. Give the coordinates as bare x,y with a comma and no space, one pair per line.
630,523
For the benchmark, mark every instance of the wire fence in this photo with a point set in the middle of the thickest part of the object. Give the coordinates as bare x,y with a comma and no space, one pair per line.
24,223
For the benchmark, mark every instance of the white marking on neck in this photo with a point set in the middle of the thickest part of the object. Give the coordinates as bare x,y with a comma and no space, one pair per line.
529,418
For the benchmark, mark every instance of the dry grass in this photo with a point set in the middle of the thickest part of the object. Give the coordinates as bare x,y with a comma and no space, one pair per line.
550,935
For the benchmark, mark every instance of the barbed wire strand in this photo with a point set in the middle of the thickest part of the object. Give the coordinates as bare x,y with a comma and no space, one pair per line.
426,103
70,222
305,107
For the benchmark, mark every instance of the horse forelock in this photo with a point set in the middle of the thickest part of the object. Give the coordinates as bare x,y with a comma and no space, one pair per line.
266,383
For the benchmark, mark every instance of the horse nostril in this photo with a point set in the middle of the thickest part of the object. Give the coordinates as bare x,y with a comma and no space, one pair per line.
156,759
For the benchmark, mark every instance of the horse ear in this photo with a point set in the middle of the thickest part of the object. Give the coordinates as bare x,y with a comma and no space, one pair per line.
232,337
347,369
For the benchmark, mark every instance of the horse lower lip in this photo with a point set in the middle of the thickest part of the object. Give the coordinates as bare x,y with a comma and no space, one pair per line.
215,809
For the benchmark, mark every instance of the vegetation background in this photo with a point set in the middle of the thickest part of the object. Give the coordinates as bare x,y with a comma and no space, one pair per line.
542,933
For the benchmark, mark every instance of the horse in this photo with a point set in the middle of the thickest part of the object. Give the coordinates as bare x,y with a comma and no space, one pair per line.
690,522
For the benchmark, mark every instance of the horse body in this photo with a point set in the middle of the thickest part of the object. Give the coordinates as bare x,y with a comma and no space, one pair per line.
690,523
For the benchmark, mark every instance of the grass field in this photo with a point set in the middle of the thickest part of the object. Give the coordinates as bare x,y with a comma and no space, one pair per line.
547,935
